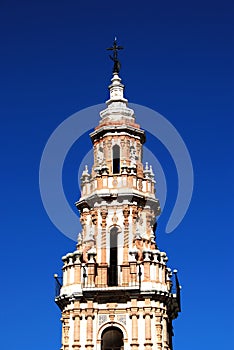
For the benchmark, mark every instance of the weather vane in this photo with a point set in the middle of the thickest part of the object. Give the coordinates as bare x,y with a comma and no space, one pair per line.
115,48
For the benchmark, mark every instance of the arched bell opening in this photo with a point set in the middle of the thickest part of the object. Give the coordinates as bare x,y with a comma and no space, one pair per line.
112,339
116,159
113,262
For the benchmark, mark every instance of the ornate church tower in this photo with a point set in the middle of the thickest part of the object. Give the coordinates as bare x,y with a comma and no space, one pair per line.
117,291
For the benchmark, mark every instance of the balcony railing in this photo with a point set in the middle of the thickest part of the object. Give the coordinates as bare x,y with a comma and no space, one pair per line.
58,284
175,289
113,276
119,277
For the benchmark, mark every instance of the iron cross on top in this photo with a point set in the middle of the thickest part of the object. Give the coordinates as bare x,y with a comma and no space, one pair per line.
115,48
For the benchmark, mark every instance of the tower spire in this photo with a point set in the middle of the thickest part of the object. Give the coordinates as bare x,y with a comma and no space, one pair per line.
117,104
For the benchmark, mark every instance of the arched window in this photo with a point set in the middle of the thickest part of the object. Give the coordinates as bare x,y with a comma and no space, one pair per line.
112,339
113,266
116,159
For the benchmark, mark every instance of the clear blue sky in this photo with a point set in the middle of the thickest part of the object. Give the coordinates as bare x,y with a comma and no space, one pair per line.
177,61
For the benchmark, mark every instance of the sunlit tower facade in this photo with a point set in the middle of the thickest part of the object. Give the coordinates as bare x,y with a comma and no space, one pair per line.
117,292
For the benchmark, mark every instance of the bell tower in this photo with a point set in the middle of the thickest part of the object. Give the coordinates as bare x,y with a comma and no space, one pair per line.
116,290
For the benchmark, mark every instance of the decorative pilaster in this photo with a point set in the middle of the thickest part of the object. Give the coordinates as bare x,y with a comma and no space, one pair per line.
165,333
125,266
148,340
89,329
77,267
94,217
156,262
134,220
76,319
91,268
158,327
146,263
65,330
104,213
134,316
64,259
126,213
133,271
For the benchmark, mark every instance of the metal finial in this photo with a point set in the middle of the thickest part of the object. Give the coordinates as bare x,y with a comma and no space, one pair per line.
115,48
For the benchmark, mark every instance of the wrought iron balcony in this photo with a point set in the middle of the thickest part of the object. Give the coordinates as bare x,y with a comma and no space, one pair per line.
117,281
122,276
176,289
58,284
